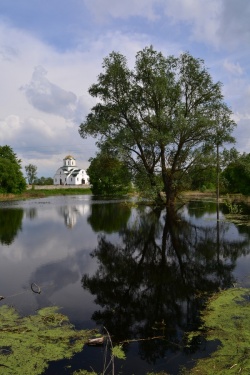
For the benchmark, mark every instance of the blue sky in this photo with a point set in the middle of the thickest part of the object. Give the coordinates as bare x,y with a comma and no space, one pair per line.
51,51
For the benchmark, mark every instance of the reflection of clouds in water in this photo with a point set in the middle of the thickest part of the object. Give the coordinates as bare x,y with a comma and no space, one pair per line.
242,272
57,276
45,236
50,243
47,253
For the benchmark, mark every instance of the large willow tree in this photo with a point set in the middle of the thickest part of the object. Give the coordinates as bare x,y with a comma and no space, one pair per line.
161,117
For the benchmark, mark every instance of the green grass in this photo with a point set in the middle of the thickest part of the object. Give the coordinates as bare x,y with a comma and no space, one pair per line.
40,193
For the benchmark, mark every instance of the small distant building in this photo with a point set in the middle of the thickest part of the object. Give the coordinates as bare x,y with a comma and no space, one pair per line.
70,174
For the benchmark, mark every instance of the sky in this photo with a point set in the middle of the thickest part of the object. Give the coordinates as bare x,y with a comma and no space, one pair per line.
51,52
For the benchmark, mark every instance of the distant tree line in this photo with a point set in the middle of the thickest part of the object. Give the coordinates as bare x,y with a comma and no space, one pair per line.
32,179
44,181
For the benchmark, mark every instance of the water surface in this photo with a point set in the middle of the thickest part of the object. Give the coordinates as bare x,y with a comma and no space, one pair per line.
138,272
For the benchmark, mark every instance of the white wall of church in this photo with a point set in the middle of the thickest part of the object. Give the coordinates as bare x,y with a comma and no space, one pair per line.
70,174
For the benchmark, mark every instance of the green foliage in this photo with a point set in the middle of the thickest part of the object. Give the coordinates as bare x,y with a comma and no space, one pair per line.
30,170
160,117
108,175
28,344
44,181
118,352
227,319
203,178
237,175
232,207
11,177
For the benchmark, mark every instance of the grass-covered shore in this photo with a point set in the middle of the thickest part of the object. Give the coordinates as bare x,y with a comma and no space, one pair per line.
40,192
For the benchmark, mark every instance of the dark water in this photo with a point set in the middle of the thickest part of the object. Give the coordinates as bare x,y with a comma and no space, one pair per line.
140,273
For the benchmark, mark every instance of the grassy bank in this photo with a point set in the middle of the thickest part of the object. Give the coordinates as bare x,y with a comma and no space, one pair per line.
51,190
40,193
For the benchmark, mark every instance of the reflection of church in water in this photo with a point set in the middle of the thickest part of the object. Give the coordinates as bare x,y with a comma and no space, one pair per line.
70,174
71,214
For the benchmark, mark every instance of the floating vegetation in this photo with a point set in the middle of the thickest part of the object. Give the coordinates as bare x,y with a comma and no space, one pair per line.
227,319
238,219
27,344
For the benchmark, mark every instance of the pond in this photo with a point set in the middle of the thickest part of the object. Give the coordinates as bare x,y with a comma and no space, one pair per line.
143,274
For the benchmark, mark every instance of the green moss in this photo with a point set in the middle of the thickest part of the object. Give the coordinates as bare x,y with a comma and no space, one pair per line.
227,319
28,344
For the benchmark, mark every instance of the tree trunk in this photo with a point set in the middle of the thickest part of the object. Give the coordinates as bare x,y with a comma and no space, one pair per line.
169,190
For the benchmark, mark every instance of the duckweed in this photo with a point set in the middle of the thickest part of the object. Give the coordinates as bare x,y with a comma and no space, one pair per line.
227,319
27,344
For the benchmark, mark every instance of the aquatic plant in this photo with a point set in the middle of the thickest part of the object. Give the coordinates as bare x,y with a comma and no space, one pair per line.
232,207
27,344
227,319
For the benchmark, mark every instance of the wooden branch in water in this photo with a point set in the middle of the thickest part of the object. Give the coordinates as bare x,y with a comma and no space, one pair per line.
35,288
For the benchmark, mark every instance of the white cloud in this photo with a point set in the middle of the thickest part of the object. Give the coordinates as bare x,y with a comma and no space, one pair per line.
234,68
9,128
234,27
201,17
122,9
41,121
48,97
219,23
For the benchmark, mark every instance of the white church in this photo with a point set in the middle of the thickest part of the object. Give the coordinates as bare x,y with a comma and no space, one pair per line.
70,174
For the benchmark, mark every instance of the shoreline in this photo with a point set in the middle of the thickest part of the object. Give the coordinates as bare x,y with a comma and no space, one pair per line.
41,191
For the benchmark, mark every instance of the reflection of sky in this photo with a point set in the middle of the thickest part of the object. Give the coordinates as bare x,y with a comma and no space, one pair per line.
230,232
46,252
55,256
209,220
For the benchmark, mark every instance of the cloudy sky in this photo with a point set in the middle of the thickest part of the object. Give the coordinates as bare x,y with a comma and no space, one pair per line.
51,51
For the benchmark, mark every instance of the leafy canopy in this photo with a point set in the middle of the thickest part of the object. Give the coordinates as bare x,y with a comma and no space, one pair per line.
237,174
31,170
108,175
11,177
161,116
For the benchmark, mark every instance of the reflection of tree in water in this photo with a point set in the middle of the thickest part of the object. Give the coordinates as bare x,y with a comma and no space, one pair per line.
31,213
10,224
153,282
197,208
108,217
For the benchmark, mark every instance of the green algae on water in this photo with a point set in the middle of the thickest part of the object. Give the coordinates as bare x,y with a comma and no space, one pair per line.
227,319
27,344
